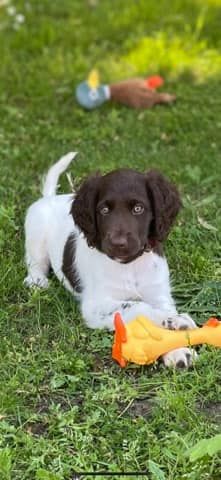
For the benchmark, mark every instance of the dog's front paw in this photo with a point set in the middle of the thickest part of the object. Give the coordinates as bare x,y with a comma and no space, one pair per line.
180,358
38,281
181,321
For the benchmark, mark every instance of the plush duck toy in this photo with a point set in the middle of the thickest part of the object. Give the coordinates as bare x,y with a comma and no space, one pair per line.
134,92
142,342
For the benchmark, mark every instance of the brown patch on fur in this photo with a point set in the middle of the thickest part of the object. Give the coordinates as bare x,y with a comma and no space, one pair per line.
83,209
68,267
165,202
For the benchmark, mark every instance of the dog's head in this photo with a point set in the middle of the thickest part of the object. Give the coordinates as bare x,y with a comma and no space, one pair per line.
124,212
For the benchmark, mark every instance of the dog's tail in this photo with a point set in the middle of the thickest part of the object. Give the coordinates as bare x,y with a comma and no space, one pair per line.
51,180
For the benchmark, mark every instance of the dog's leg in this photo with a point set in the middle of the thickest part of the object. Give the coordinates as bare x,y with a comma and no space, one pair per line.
37,263
36,250
101,315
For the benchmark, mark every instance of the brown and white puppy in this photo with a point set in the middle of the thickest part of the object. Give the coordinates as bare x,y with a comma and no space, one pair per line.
104,244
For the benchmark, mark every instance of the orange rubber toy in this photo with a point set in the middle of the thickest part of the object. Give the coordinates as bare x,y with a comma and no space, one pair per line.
142,342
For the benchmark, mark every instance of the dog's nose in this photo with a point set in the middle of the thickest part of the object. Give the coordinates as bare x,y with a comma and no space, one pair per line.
118,242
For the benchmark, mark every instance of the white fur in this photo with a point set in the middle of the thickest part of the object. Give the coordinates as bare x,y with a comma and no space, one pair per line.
51,180
139,287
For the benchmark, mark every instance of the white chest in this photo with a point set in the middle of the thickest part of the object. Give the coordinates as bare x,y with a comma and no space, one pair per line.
137,280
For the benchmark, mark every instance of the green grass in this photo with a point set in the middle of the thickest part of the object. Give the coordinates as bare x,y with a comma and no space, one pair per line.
64,405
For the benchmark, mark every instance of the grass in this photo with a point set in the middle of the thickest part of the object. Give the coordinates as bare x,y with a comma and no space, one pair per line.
64,405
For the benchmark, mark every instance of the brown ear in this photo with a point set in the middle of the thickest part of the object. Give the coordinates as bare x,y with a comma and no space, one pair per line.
83,209
165,202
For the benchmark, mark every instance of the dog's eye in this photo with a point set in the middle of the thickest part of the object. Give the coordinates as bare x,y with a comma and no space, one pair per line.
104,210
137,209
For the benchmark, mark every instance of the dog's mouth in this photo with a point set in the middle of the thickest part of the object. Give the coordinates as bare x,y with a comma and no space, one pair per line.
126,258
128,253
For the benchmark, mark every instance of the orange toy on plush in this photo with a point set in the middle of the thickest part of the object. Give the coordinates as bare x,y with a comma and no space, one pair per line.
154,82
142,342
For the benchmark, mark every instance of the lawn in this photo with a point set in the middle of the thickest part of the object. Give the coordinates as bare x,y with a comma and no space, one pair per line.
65,407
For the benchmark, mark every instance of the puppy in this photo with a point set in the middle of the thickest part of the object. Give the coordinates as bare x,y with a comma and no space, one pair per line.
104,243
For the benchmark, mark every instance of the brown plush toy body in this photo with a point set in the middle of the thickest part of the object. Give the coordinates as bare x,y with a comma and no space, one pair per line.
136,94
